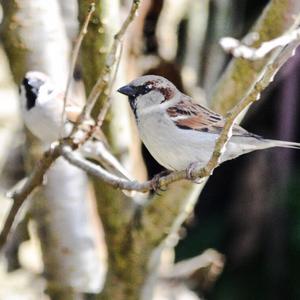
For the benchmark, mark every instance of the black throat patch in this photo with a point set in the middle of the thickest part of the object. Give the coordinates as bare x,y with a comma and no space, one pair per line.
31,88
132,102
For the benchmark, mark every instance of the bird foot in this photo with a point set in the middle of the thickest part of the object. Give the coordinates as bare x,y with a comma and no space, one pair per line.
156,182
191,172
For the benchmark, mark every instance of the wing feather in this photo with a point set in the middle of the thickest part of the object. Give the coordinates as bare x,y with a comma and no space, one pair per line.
191,116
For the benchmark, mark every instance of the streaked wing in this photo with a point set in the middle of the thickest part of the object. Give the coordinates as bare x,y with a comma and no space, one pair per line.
191,116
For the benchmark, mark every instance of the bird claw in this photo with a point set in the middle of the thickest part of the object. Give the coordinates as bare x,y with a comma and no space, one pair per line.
191,170
155,182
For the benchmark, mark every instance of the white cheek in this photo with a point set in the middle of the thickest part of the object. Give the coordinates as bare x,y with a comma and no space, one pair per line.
43,96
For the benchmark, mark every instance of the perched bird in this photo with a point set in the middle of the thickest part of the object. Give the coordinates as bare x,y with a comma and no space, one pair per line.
42,108
179,133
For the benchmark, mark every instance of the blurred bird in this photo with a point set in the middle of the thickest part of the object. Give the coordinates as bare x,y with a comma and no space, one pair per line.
42,109
181,134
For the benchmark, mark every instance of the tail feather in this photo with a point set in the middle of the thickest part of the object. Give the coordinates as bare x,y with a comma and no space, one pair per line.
283,144
245,145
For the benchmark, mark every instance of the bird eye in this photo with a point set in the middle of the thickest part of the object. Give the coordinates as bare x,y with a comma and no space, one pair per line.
140,90
146,89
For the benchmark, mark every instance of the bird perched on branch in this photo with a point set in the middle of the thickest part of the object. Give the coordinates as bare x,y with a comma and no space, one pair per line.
42,108
42,111
179,133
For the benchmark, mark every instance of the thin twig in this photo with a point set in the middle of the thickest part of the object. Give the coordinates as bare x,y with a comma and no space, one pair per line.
97,151
97,171
107,103
74,57
22,192
103,79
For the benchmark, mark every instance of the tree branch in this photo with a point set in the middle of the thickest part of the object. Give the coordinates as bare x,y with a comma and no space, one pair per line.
239,49
22,192
74,57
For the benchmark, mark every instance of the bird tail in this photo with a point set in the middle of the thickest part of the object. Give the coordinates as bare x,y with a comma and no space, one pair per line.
282,144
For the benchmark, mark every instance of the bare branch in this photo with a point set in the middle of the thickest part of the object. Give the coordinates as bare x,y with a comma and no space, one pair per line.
106,105
22,192
239,49
98,151
97,171
103,80
279,58
277,18
74,57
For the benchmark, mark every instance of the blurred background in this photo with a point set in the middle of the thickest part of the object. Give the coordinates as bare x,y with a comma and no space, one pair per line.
248,211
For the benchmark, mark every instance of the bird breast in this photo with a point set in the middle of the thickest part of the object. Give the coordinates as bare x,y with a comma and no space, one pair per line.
172,147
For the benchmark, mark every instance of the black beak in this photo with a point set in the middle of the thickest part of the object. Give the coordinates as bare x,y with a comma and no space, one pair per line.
127,90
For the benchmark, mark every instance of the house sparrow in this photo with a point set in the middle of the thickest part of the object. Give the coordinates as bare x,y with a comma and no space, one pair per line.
42,107
179,133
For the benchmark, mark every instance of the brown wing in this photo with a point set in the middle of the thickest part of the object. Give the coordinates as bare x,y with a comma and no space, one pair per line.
191,116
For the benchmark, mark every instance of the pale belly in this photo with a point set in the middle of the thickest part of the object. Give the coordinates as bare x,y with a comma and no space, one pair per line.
45,126
177,149
174,148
